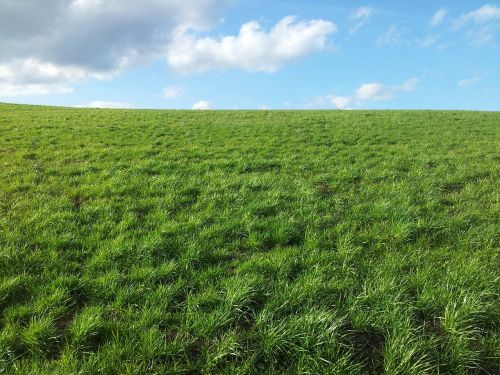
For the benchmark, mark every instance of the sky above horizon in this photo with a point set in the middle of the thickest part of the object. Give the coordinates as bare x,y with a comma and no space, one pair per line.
242,54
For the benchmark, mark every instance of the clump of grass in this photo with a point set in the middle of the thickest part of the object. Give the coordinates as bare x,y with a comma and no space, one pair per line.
13,290
88,329
224,350
10,345
40,337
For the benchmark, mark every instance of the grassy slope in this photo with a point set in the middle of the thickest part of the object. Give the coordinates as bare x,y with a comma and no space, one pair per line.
248,242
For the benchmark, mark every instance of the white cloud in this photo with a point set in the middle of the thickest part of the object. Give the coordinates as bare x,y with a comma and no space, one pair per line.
481,36
341,102
428,41
486,13
367,92
408,85
28,77
253,49
468,81
480,24
432,40
264,107
374,92
438,17
391,37
8,90
172,92
203,105
360,16
37,71
104,104
58,42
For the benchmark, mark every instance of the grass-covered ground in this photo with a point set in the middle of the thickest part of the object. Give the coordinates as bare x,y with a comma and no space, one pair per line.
249,242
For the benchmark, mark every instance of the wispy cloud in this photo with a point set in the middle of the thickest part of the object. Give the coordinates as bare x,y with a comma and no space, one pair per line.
481,24
391,37
360,17
467,82
408,85
172,92
438,17
428,41
486,13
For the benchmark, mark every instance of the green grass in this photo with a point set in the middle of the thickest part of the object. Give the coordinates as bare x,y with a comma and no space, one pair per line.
249,242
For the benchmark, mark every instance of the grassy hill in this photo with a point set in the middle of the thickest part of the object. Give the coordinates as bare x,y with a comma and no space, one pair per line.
249,242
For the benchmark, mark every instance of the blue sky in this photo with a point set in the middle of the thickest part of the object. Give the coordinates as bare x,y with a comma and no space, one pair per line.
238,54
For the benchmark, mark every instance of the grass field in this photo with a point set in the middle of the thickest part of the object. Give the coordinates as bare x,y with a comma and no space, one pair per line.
249,242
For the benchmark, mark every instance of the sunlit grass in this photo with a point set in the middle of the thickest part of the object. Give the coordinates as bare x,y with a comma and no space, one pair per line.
249,242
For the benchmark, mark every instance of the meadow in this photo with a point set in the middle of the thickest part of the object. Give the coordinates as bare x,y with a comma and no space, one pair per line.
249,242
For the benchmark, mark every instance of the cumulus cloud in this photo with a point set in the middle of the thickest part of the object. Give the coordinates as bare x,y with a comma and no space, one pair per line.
341,102
49,45
376,91
34,77
367,92
438,17
56,42
360,17
104,104
481,25
253,49
172,92
203,105
8,90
